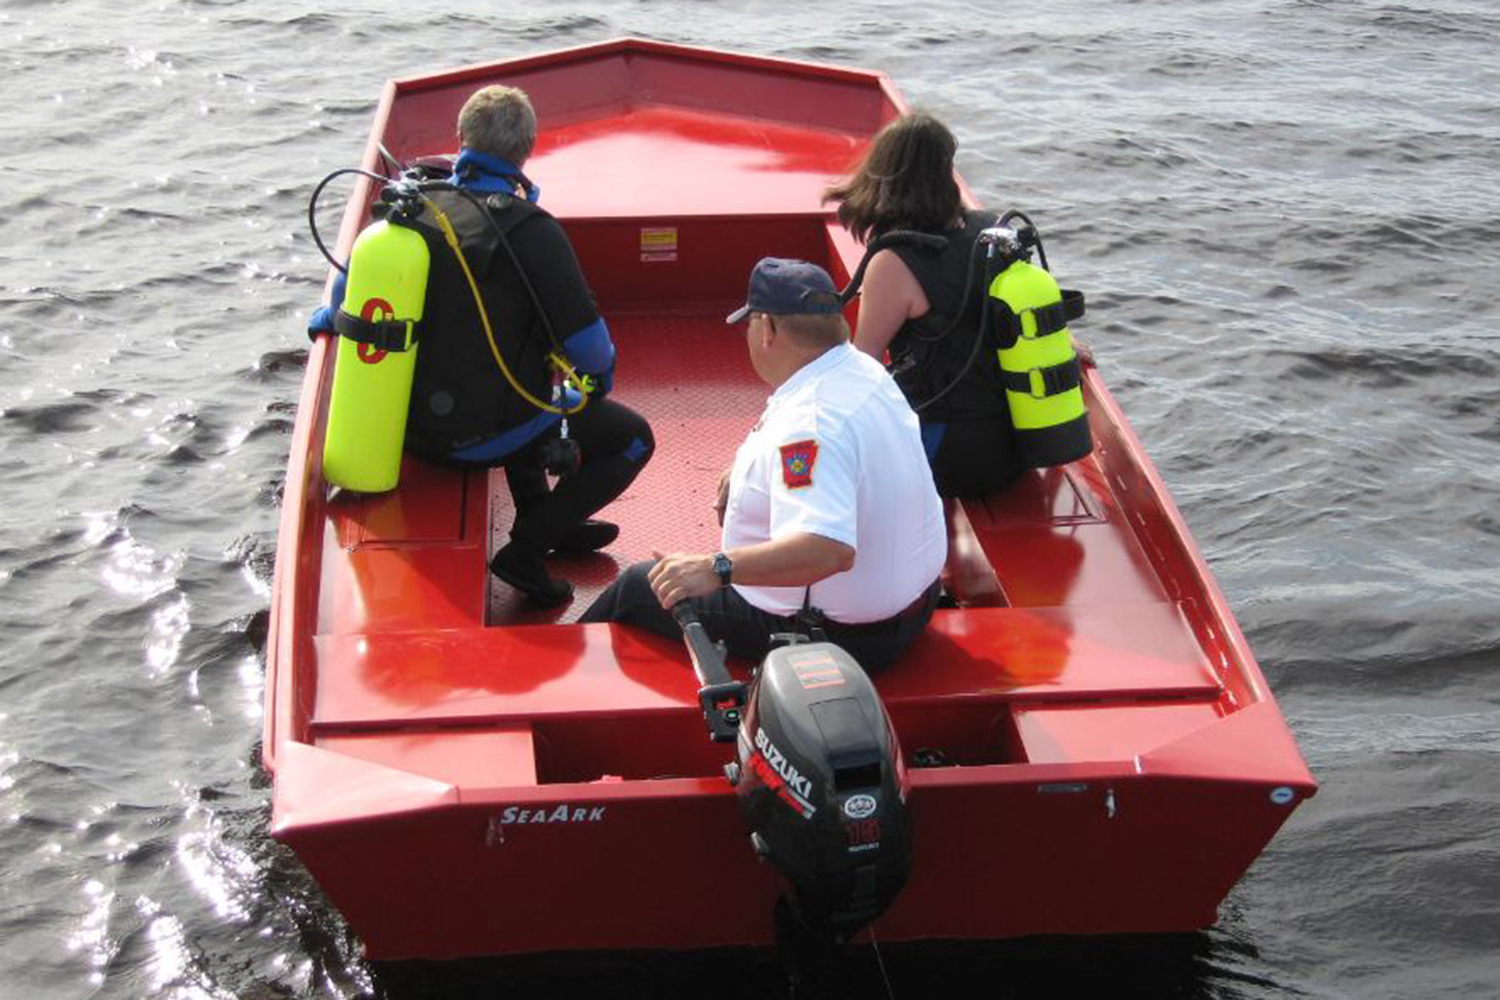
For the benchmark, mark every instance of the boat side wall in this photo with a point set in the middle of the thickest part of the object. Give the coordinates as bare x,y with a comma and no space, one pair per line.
290,659
1185,575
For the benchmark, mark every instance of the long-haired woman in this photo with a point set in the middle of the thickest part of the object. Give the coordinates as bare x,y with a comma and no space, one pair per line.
913,303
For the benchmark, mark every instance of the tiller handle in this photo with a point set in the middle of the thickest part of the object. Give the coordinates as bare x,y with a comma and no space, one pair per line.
722,697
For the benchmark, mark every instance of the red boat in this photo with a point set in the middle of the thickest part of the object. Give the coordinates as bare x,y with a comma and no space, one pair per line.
1090,745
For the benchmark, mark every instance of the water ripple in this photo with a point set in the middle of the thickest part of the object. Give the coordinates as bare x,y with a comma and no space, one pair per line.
1289,273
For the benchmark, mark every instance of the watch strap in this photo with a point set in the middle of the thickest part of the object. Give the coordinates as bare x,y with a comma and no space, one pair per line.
724,567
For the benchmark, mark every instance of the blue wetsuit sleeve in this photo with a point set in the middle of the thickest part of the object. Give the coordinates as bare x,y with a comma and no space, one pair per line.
321,320
593,353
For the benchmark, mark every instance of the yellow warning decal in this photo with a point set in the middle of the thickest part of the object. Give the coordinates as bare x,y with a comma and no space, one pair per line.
658,243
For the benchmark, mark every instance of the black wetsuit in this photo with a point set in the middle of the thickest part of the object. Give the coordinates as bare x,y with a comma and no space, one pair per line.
464,410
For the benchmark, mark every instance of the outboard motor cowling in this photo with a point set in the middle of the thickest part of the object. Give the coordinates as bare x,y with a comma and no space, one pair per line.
822,786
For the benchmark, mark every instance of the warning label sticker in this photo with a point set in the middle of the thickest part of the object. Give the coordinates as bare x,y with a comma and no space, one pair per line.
658,243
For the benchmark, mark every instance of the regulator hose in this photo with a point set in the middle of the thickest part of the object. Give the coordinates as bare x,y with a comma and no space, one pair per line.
569,373
312,209
1036,234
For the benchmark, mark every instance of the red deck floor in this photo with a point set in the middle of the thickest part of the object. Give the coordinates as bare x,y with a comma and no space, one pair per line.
691,377
657,161
1053,539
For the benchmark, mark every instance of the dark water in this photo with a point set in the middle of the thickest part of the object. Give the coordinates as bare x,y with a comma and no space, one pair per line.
1287,215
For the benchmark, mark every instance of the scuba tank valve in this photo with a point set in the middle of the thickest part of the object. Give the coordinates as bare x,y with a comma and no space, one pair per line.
1005,242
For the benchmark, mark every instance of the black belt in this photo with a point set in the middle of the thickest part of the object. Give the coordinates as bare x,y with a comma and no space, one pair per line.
924,602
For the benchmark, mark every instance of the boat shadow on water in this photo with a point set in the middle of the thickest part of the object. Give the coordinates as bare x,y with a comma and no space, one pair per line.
1187,966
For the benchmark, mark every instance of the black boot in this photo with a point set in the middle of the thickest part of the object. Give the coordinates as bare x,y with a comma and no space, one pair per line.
588,536
524,570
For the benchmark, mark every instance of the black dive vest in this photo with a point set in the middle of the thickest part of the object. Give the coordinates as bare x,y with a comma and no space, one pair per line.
459,395
923,361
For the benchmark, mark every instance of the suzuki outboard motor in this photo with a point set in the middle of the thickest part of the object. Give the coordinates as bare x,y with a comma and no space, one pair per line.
822,786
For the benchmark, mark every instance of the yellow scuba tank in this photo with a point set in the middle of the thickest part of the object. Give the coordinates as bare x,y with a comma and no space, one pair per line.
1039,368
377,356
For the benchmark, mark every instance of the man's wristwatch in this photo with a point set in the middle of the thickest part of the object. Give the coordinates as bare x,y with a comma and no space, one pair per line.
724,567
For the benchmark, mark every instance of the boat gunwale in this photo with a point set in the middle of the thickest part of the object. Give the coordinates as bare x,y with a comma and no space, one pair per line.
629,43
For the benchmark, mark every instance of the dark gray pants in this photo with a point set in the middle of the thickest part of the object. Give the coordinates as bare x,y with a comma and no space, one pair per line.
746,630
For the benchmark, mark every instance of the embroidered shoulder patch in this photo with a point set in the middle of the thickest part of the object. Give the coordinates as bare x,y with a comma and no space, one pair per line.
797,461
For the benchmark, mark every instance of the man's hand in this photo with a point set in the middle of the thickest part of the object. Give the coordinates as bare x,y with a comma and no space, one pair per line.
797,560
1085,354
681,575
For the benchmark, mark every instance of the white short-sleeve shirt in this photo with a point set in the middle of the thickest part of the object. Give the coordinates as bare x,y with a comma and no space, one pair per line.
838,453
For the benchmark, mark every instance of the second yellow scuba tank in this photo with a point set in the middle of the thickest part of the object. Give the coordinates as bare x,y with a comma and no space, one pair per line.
1030,314
1039,367
377,357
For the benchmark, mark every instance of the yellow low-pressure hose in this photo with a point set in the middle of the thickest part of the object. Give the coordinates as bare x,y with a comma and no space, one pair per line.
582,383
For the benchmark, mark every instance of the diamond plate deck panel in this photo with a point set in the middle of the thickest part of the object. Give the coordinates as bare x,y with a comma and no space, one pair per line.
690,376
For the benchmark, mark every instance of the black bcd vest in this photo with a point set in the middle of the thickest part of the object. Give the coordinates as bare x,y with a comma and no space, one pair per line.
459,394
924,360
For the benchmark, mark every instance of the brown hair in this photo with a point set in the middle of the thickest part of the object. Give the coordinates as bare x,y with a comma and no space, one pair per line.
904,181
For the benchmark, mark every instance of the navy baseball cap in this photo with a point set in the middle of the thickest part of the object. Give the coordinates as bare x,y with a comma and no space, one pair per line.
784,287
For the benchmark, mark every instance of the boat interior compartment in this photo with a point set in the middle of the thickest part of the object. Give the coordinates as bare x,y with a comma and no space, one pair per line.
1069,594
414,635
1055,538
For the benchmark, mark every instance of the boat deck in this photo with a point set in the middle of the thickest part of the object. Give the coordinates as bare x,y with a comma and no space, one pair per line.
1053,539
424,636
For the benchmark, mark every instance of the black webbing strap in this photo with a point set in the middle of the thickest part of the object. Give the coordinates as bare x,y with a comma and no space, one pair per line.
1039,383
1050,319
386,334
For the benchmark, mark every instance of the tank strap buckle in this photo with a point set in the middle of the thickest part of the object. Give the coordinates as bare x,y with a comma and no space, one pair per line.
1041,382
1051,318
385,335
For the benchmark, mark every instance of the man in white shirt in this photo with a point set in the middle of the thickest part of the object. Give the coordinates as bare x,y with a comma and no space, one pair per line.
829,512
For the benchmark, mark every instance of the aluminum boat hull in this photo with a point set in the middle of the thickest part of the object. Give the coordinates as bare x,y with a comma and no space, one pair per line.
466,776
